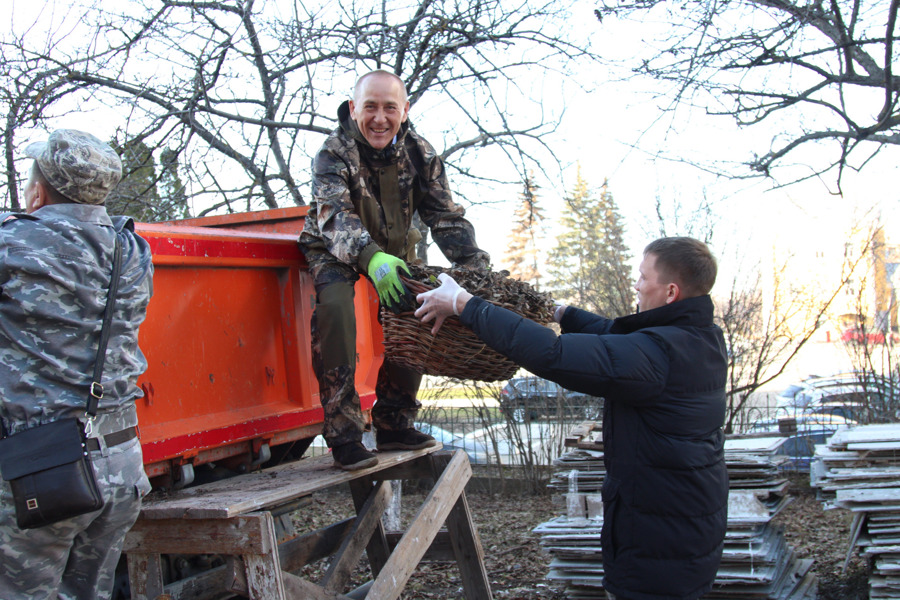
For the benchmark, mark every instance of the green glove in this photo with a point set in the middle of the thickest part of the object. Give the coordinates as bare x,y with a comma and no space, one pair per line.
383,270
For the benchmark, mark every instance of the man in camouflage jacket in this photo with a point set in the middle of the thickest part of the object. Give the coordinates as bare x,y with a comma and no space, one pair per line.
369,178
55,267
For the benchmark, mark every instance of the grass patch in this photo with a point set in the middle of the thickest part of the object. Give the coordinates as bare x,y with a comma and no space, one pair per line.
481,392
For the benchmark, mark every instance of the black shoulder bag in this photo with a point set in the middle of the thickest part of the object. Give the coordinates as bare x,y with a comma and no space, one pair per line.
48,467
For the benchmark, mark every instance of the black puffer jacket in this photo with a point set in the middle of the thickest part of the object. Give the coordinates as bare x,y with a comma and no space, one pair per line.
662,373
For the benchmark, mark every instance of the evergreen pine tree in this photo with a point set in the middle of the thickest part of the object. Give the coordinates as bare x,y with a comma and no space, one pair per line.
146,192
521,257
590,265
136,194
173,198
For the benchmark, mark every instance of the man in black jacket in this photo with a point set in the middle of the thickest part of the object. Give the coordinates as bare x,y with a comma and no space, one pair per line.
662,372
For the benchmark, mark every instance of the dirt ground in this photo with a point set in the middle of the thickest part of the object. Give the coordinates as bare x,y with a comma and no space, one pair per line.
823,536
517,565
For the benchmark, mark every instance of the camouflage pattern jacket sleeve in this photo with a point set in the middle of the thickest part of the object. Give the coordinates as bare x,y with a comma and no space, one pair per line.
54,274
451,231
363,202
333,224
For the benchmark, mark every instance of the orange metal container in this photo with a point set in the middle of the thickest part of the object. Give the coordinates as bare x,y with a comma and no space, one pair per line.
227,342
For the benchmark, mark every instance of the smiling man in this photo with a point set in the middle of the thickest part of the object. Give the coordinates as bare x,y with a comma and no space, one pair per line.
371,176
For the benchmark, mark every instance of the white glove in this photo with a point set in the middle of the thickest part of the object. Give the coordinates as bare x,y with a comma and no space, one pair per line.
558,310
439,303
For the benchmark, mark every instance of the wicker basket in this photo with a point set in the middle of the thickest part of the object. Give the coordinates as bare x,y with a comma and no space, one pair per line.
455,351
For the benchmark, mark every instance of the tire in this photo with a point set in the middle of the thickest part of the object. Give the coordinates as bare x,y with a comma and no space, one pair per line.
518,414
589,412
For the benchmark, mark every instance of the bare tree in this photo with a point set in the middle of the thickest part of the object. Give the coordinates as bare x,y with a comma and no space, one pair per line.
766,314
242,91
872,343
873,353
818,73
766,324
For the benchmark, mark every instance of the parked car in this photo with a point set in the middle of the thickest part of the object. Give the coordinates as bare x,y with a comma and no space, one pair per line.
856,396
788,395
535,442
528,398
478,453
812,429
803,422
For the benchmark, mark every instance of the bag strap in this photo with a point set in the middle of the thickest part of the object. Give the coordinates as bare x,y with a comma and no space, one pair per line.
96,392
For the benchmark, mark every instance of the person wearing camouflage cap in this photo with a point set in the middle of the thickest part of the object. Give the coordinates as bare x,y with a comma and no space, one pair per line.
372,174
55,267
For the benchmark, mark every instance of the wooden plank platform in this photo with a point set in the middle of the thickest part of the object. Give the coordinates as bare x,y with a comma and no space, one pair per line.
262,490
230,517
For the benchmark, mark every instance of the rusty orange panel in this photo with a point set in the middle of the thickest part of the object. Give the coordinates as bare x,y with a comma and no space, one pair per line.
277,220
227,343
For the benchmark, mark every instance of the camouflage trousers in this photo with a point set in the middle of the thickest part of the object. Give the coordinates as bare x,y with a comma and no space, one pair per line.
333,332
74,559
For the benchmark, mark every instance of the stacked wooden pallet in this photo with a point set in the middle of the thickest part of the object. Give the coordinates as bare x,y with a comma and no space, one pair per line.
859,470
756,561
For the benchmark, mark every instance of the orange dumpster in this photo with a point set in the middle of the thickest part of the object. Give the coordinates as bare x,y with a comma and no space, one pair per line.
229,377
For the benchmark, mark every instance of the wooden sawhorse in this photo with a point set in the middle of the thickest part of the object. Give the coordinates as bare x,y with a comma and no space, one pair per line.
231,517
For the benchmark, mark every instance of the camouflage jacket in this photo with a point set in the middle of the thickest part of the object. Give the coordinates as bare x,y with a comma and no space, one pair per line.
55,269
363,201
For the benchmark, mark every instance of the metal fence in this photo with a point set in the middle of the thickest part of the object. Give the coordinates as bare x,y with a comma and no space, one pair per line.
496,435
507,442
493,436
802,427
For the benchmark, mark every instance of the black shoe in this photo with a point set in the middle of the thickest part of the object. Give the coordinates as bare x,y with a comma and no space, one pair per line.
405,439
353,456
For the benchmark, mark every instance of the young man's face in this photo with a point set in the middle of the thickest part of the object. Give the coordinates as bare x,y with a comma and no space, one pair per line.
379,108
652,292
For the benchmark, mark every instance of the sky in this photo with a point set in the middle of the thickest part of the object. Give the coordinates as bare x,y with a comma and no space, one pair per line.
598,132
754,218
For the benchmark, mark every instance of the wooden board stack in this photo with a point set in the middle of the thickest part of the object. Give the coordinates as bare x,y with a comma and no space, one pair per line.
859,470
756,562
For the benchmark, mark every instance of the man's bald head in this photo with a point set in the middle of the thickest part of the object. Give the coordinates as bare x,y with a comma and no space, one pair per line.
380,107
378,73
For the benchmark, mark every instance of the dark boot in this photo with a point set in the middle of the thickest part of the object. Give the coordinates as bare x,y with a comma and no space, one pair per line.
353,456
405,439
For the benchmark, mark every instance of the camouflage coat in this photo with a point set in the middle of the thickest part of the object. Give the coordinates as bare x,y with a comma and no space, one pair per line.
55,268
363,201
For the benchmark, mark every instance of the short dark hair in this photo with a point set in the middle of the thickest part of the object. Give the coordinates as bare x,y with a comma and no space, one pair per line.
56,196
685,261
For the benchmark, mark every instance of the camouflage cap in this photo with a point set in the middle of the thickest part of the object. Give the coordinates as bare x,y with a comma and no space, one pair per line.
77,165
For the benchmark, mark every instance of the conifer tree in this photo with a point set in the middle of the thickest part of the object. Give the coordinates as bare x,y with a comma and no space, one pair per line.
521,257
136,193
590,266
173,196
148,191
